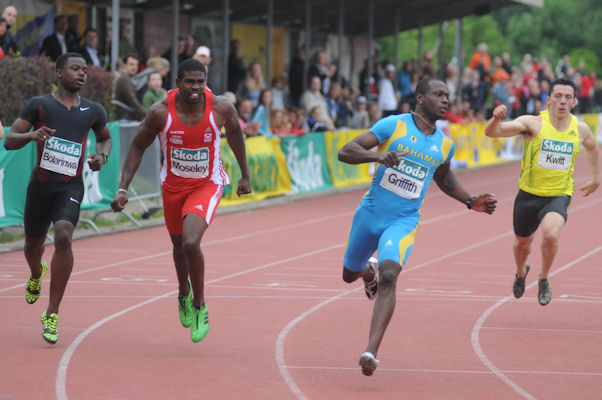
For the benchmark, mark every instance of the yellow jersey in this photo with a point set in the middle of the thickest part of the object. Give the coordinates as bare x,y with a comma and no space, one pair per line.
549,158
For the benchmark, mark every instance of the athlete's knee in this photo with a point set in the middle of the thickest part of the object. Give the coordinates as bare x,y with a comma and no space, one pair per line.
62,240
350,276
190,244
550,237
389,272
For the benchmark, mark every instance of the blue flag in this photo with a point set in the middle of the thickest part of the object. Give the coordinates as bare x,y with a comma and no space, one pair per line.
30,37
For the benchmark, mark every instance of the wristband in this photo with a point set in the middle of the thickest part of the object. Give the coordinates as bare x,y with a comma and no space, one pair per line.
120,190
469,202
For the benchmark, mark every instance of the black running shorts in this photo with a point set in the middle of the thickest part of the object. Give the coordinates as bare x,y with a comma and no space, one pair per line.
530,209
48,202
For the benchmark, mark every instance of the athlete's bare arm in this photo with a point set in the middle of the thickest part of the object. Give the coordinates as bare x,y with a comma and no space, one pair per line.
451,186
227,113
104,144
147,132
528,125
593,158
358,151
19,135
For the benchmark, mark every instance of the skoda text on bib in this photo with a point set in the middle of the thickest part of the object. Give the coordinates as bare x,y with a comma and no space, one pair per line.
555,154
405,180
61,156
190,163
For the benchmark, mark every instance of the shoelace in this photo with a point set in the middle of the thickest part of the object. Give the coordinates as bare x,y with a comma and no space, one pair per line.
34,284
51,323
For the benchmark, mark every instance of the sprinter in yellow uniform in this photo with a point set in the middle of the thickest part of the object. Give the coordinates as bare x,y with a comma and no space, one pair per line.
551,144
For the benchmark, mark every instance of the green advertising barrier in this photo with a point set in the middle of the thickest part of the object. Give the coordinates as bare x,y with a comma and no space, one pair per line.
100,186
307,162
267,170
16,166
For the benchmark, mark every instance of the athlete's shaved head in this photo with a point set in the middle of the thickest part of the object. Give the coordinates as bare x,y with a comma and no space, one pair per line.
424,85
190,65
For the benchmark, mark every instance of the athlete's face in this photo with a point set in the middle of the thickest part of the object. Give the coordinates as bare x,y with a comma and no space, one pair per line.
192,86
561,100
74,73
436,99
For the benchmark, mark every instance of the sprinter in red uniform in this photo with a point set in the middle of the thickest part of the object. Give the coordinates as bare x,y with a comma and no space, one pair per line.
188,124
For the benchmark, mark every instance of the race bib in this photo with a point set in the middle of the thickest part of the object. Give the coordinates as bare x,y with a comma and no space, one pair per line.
61,156
555,154
190,163
405,180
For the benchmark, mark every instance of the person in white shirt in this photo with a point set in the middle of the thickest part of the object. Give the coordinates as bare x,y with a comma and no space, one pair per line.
387,97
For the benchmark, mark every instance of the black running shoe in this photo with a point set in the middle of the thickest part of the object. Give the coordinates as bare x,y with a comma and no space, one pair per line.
545,293
519,283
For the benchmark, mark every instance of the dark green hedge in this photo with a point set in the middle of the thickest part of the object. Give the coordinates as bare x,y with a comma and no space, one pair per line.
22,78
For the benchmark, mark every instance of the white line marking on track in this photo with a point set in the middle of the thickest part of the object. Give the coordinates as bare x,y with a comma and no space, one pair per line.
474,339
452,371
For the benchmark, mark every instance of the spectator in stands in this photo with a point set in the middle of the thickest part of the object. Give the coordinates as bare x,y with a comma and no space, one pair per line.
498,72
147,53
190,47
454,113
387,96
586,92
279,122
202,54
55,45
428,69
254,83
127,105
279,94
476,91
332,101
295,76
404,107
89,49
245,112
530,99
360,118
481,61
297,121
344,107
125,46
506,63
374,113
319,66
155,64
501,92
563,66
314,121
4,43
451,81
9,42
236,68
181,50
263,112
155,91
72,36
313,97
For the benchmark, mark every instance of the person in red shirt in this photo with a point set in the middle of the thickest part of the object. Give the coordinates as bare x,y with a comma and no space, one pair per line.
588,82
188,123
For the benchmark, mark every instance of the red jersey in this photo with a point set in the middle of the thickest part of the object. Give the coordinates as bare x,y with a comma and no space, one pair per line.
191,154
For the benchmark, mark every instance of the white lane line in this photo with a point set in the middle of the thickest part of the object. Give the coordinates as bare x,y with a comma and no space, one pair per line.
502,328
208,243
452,371
475,341
282,367
61,376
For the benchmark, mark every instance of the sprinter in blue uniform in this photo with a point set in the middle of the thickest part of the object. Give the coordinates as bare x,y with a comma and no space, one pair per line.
411,152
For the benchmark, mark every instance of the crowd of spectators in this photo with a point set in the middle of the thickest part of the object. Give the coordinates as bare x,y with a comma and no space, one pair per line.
328,102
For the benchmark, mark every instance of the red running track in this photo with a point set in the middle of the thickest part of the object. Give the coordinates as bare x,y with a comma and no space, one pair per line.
285,326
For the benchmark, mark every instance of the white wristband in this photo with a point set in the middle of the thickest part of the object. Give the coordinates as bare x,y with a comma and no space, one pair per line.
120,190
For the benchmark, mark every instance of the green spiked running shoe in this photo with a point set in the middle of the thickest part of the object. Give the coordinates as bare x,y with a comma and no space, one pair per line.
32,289
50,333
200,324
185,308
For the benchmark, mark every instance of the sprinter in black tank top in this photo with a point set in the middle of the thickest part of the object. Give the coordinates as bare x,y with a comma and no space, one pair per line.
61,122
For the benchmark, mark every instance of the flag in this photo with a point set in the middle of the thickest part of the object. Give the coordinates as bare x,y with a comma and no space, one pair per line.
30,37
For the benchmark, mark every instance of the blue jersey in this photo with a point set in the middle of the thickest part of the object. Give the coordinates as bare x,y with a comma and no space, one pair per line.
400,190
